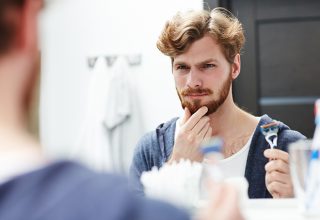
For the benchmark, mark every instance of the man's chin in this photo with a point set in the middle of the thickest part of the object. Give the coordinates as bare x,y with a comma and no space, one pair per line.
194,107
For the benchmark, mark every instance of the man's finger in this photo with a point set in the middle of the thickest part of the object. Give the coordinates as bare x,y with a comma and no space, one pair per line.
276,154
277,165
203,131
195,118
200,125
186,116
208,135
277,177
275,188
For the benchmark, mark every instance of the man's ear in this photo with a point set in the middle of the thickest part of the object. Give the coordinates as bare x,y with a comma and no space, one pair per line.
28,37
236,66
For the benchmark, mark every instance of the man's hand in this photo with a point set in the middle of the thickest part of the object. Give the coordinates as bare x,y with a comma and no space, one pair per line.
193,130
223,204
278,178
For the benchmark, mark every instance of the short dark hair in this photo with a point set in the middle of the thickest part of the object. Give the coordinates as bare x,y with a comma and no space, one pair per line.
7,27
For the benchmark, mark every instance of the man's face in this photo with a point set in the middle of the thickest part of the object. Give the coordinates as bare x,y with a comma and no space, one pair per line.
202,76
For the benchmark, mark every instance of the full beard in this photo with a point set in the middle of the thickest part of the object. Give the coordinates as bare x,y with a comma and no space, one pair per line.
212,105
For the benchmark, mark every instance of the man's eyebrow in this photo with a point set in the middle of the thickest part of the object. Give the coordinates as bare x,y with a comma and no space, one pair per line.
207,61
176,63
179,63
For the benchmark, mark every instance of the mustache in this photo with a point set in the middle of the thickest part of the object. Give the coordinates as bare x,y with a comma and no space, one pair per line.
193,91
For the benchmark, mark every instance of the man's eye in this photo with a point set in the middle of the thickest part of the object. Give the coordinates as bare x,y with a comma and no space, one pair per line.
182,67
209,65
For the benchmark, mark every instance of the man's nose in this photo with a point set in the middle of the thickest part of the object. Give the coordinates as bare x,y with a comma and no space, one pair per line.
194,79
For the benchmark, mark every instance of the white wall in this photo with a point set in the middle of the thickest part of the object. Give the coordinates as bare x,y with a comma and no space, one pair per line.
72,30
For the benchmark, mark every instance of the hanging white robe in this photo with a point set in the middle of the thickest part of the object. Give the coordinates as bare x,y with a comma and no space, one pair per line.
122,120
113,123
92,147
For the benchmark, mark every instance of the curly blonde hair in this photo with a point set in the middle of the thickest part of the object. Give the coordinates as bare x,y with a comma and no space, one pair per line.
185,28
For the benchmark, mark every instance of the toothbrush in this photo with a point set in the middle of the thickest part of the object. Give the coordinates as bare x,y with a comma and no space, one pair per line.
270,132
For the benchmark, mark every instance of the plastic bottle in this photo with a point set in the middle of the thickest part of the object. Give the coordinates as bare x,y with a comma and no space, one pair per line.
211,151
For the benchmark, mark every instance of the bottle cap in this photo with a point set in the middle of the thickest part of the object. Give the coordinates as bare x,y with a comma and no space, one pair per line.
214,145
315,155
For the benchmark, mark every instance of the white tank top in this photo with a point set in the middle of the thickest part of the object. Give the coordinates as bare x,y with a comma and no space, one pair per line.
235,165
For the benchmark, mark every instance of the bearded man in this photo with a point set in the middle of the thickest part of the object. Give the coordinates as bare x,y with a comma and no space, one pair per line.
36,186
204,48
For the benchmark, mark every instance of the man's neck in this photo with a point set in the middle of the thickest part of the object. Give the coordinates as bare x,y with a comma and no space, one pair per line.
15,137
233,125
12,77
13,128
229,121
